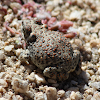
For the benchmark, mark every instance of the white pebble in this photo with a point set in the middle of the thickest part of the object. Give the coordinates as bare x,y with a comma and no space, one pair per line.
15,5
75,15
61,93
51,93
75,96
3,83
95,85
96,96
89,91
8,48
2,90
39,79
31,77
8,17
18,51
99,50
93,43
2,56
19,85
39,96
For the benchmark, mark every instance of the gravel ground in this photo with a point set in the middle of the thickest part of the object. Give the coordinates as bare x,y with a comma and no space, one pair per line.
20,81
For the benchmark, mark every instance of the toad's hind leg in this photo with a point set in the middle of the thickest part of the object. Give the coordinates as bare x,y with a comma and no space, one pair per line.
52,72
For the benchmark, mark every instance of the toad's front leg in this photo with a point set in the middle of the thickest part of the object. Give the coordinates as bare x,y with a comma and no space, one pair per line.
24,55
54,73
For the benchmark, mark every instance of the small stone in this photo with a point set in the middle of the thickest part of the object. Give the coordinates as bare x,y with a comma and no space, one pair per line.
2,75
2,90
18,51
93,43
75,15
42,88
90,72
68,99
39,78
96,96
15,5
61,93
95,85
75,96
99,50
3,83
2,56
3,98
67,94
19,85
89,97
39,96
9,48
51,93
78,42
56,11
31,77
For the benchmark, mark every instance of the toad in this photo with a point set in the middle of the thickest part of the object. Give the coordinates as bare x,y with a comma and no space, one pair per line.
50,51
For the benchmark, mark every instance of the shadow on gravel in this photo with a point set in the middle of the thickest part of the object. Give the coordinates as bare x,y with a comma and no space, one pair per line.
74,82
87,55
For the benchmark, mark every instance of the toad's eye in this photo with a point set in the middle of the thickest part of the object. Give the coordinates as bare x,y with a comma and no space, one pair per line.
31,38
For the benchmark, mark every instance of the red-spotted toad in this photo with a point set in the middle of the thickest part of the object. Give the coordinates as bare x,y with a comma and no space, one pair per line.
50,51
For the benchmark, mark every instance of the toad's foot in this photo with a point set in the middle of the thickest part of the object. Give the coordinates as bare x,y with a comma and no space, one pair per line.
24,55
52,72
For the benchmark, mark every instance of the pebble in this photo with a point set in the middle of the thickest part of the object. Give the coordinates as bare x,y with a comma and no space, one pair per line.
51,93
2,56
8,48
15,5
39,78
2,90
56,11
10,95
95,85
19,85
75,96
42,88
8,17
61,93
89,97
31,77
96,96
91,72
89,91
3,83
75,15
93,43
39,96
